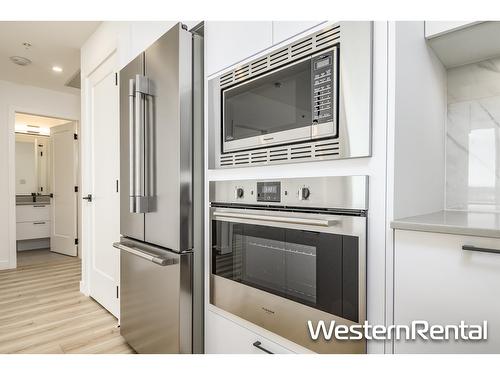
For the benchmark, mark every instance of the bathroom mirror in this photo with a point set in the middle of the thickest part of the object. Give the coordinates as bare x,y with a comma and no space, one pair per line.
32,164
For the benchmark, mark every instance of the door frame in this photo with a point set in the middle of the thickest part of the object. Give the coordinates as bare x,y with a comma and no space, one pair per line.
87,172
12,174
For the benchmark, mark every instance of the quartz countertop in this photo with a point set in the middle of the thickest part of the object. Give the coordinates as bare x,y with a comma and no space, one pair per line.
483,224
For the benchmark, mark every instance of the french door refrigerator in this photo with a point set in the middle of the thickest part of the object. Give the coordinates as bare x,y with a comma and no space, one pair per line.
159,90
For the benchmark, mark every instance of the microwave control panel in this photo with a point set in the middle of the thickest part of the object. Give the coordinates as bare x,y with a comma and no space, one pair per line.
323,68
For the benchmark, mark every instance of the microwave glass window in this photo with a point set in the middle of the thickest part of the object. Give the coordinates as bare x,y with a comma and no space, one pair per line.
316,269
277,102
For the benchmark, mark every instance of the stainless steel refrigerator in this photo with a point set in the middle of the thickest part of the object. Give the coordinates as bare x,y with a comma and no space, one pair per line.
160,122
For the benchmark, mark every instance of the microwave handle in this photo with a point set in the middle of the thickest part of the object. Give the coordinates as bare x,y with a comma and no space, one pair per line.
277,219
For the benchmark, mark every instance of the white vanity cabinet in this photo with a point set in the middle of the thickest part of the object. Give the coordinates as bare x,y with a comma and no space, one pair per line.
229,42
437,281
283,30
223,336
32,221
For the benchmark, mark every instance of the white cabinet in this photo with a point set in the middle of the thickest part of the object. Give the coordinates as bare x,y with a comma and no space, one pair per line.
230,42
283,30
437,281
32,221
224,336
437,28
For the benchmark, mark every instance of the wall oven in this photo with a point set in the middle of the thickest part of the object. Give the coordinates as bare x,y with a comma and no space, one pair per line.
291,250
308,100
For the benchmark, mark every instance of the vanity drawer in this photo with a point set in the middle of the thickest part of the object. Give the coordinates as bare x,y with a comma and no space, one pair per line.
35,212
32,230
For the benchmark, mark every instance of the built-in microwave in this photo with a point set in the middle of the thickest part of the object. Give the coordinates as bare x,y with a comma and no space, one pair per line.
296,102
309,100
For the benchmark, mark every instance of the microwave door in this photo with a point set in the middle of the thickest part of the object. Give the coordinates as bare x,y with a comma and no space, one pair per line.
271,109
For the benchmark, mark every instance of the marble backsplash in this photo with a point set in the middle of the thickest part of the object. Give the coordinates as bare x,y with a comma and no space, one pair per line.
473,137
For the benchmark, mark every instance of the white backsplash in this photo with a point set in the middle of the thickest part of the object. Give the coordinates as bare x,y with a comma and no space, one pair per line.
473,137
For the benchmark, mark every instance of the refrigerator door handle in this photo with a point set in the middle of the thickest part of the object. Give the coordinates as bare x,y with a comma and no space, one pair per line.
140,207
131,119
144,255
150,152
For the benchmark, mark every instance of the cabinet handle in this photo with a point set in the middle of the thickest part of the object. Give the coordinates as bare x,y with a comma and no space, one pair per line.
39,222
480,249
39,205
258,345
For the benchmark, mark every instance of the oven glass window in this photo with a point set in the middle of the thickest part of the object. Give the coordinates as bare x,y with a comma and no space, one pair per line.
316,269
277,102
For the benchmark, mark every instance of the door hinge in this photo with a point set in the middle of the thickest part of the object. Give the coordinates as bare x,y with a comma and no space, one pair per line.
76,189
117,292
116,79
75,136
76,241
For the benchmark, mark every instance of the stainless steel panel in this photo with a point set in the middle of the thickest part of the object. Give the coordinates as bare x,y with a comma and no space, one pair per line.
131,224
198,196
169,68
282,316
341,192
155,299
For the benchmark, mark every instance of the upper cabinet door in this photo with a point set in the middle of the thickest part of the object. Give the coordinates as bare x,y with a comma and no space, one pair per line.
283,30
227,43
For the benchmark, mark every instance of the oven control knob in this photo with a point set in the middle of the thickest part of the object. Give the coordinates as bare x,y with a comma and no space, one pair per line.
239,192
304,193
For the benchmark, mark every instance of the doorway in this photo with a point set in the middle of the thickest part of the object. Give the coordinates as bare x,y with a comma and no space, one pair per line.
46,188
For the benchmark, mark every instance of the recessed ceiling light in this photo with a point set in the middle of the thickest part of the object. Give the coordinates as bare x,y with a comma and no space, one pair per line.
57,69
19,60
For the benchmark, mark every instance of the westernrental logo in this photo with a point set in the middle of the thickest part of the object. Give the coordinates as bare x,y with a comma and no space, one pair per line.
418,329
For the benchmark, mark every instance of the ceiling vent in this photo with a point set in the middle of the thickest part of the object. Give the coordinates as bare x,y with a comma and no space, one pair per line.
19,60
75,81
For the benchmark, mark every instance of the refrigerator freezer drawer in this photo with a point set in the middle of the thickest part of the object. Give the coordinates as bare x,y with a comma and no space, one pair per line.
156,298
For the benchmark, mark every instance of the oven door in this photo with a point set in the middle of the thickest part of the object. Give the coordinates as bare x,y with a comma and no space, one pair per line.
281,269
272,109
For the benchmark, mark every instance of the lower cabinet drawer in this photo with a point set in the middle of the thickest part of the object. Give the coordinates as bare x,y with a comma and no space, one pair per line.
224,336
35,212
32,230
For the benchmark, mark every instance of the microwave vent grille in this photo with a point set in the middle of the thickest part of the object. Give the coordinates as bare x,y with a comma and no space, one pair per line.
317,150
303,47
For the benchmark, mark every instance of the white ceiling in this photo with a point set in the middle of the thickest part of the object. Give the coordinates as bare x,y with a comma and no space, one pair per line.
54,43
41,121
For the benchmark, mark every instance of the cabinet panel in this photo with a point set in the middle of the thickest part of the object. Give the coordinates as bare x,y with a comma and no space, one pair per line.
29,231
226,337
437,281
34,212
283,30
437,28
230,42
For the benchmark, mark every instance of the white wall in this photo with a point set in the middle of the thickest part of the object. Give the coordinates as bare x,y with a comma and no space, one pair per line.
14,97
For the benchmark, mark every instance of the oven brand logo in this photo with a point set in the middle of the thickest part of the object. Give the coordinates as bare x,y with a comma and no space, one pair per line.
418,329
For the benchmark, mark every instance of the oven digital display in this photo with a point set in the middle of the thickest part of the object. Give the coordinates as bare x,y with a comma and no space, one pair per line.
269,191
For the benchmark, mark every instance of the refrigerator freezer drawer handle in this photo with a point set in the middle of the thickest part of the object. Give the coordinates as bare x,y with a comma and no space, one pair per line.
152,258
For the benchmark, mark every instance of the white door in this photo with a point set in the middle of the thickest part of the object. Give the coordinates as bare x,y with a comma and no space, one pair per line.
105,170
64,202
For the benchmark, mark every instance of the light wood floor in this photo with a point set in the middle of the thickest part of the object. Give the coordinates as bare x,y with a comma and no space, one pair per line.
43,311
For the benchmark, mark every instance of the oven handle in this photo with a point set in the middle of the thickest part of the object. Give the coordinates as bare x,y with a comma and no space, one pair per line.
277,219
